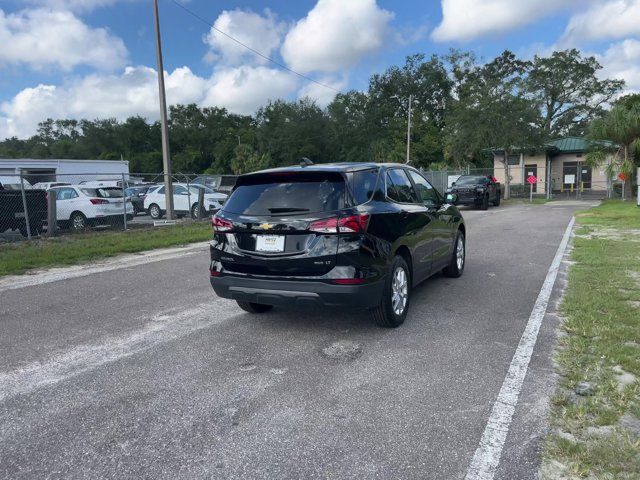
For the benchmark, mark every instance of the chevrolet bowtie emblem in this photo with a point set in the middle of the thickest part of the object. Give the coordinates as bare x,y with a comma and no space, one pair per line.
265,226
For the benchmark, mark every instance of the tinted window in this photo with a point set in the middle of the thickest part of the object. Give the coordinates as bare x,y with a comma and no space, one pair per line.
472,180
427,193
272,195
363,184
399,187
513,159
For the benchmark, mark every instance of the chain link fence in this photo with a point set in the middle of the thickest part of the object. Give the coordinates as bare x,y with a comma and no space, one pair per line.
33,205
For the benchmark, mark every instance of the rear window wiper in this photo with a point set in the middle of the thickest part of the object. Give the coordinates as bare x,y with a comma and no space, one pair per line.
287,209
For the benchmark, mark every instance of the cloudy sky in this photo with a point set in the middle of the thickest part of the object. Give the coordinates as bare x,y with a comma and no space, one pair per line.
96,58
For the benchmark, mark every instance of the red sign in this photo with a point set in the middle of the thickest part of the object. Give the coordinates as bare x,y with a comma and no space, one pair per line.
623,176
531,179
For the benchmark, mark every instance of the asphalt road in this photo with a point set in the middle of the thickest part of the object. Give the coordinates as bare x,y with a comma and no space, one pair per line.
142,372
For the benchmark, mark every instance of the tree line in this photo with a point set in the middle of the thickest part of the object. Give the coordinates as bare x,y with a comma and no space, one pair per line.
462,107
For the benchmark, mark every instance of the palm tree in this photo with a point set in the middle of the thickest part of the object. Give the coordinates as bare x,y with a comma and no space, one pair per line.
617,136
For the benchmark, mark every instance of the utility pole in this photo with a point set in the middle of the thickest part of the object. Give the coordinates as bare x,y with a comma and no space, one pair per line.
409,129
166,156
411,100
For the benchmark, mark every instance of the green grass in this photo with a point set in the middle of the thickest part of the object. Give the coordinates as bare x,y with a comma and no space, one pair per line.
18,258
602,326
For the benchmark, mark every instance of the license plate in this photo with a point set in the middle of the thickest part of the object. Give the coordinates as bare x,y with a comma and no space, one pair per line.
270,243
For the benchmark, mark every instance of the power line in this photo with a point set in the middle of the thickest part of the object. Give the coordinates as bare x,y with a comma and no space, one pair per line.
260,54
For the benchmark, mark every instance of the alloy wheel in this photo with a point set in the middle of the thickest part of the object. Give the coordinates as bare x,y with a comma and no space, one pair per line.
460,253
399,290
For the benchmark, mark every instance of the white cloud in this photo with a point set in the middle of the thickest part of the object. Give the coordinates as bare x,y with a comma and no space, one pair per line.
135,92
244,89
466,19
260,32
335,34
611,19
43,37
323,95
622,60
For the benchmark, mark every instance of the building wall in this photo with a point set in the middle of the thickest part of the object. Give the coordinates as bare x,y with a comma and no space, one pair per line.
519,174
66,170
598,175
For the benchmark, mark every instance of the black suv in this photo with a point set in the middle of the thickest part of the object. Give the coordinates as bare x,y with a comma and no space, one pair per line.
345,234
477,190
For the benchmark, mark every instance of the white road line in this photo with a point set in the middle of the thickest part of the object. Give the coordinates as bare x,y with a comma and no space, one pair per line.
487,456
161,328
14,282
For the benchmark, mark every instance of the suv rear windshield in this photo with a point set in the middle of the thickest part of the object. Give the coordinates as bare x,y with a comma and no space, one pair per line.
103,192
287,194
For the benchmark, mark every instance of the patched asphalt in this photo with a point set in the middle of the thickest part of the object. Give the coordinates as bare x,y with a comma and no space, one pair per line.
144,372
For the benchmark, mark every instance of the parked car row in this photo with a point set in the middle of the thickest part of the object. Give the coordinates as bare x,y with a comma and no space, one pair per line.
94,203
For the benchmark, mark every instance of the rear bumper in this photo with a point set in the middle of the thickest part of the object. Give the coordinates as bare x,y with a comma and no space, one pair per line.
297,292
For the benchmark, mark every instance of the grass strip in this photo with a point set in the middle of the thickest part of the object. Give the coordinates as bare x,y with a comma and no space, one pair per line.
18,258
595,431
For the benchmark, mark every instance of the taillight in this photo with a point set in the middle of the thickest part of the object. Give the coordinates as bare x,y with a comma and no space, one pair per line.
221,225
350,224
98,201
353,223
326,225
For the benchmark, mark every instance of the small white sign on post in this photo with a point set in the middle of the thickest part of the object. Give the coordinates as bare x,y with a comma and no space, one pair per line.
569,179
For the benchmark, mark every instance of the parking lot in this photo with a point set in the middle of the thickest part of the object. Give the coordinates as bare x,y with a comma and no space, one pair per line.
141,371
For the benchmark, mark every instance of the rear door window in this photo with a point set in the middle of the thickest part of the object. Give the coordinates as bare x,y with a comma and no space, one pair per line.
363,184
399,187
287,194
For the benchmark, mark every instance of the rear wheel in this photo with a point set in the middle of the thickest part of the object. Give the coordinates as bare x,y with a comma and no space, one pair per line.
254,307
496,202
195,210
458,258
78,221
155,212
396,295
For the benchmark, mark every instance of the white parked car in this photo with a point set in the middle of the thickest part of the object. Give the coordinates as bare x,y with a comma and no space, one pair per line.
185,200
48,185
79,206
13,182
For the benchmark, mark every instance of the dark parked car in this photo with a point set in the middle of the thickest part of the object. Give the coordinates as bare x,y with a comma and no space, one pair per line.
477,190
349,235
137,195
12,214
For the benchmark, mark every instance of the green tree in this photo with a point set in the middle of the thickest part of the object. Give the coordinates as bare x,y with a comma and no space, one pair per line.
615,140
568,92
490,110
247,160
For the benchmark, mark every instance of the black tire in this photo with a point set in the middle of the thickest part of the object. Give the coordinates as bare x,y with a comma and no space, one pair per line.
194,211
78,221
496,202
254,307
485,203
455,268
386,315
155,212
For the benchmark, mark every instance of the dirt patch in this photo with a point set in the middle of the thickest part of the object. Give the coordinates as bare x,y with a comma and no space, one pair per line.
343,350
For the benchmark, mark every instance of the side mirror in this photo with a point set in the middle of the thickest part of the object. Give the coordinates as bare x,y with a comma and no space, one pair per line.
453,184
452,198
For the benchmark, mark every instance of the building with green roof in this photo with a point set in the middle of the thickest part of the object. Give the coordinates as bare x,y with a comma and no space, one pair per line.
558,167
